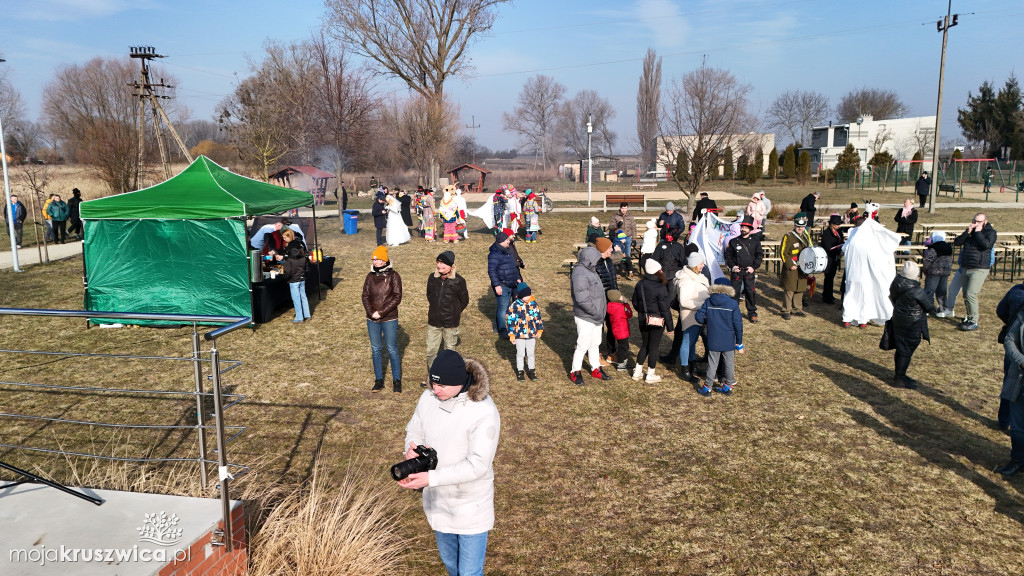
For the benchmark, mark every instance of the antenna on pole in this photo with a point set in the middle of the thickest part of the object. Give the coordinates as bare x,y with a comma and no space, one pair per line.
473,126
146,93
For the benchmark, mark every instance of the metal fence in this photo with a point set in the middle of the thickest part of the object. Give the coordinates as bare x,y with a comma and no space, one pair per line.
205,366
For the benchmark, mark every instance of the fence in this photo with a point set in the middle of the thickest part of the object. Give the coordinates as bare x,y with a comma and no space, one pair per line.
197,361
1002,178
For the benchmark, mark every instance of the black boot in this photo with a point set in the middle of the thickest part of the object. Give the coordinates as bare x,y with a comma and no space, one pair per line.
532,373
520,375
687,373
378,385
692,372
396,386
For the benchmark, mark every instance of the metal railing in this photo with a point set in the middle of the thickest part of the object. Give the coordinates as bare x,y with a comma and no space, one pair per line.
197,359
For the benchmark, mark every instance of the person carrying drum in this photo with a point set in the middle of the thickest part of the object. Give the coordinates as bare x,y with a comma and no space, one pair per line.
743,257
793,279
832,239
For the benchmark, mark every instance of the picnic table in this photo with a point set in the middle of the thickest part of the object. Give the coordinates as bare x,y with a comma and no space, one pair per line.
1018,236
927,229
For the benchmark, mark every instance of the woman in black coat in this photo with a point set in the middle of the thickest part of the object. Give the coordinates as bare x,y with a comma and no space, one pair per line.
911,306
651,298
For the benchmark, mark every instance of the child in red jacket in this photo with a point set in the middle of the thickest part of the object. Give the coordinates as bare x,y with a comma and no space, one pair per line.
619,312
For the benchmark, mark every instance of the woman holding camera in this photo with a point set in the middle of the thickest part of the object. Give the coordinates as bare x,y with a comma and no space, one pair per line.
458,419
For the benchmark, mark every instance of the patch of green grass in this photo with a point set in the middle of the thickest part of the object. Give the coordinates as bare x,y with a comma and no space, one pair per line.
814,466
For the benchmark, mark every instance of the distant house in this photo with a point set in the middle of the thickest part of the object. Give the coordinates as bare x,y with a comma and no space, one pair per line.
306,178
901,137
667,147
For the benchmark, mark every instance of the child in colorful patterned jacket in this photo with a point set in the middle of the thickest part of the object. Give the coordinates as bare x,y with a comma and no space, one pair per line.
524,328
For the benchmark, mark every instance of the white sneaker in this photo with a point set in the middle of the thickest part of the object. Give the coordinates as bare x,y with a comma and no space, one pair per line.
943,313
638,372
651,376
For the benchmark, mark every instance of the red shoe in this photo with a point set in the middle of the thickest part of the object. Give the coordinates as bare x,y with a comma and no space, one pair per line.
599,374
846,324
862,326
576,378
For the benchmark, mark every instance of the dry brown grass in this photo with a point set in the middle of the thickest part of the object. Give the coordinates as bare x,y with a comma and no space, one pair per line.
814,466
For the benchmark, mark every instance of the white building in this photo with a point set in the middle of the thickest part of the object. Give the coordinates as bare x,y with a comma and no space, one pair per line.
901,137
669,146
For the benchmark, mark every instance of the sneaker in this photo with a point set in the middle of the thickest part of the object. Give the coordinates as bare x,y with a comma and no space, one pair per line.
531,373
638,372
396,386
576,378
968,326
943,313
846,324
785,316
723,389
753,318
799,313
378,385
520,375
862,326
704,391
622,366
599,374
651,376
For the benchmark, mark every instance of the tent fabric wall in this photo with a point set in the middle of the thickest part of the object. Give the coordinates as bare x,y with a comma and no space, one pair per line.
167,266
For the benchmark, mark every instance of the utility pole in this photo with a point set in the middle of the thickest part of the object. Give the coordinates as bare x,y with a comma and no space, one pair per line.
590,160
146,93
11,216
943,26
473,126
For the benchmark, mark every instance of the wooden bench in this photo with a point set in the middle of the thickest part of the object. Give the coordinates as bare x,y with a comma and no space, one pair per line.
773,262
616,199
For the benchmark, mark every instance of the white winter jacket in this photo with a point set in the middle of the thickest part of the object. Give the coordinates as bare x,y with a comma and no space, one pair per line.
464,431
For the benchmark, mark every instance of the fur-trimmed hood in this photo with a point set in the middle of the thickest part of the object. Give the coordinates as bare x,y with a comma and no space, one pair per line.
722,289
481,385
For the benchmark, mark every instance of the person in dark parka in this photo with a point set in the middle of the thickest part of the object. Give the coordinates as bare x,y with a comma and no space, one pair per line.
743,256
380,217
905,220
832,240
911,306
807,206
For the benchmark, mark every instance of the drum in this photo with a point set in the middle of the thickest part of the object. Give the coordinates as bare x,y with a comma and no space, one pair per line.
812,260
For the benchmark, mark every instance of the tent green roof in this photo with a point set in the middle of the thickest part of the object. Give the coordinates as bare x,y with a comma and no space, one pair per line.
204,190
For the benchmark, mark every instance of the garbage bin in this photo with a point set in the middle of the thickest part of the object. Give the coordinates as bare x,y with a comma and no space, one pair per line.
351,222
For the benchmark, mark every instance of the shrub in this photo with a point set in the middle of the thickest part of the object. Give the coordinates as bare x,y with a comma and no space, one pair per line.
773,164
727,161
789,162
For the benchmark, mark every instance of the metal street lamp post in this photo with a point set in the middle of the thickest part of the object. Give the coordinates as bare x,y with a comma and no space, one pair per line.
590,161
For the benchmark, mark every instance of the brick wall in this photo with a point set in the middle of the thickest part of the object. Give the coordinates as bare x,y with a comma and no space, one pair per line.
206,559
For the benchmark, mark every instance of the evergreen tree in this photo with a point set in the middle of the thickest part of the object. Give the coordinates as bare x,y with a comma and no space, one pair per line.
848,159
752,174
682,173
789,162
803,167
915,167
759,162
741,166
773,164
727,160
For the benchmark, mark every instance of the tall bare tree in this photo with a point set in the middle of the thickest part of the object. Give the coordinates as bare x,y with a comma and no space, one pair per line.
572,123
12,110
421,42
648,106
419,145
535,119
91,111
879,104
256,118
797,111
705,112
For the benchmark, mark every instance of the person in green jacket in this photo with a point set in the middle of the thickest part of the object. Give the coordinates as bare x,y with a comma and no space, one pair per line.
58,212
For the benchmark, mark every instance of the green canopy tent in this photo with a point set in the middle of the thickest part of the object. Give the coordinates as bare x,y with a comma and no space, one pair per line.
180,246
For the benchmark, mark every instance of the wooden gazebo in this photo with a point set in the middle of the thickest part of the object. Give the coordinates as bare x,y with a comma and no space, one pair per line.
453,174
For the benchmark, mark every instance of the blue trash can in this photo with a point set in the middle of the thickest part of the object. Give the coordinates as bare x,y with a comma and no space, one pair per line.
351,221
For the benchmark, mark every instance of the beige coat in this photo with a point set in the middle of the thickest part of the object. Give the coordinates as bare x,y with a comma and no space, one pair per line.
692,288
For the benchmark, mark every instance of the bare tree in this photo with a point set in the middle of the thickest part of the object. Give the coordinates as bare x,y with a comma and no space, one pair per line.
648,105
572,123
255,118
535,119
422,42
879,104
706,111
91,111
36,178
12,112
797,111
410,126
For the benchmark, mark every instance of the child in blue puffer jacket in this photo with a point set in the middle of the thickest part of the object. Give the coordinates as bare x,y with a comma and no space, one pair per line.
721,313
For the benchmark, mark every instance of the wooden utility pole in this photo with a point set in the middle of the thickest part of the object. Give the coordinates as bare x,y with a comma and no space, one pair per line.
943,26
145,92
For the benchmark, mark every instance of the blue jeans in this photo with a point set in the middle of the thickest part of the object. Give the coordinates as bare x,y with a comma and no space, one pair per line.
388,331
500,324
299,301
688,348
462,554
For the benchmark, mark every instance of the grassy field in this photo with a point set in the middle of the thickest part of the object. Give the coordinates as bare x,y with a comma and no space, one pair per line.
814,466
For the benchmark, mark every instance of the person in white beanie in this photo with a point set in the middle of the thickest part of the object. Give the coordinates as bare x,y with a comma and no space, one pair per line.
692,289
651,301
911,306
594,230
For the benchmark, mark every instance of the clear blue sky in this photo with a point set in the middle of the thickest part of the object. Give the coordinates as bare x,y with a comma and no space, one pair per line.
778,45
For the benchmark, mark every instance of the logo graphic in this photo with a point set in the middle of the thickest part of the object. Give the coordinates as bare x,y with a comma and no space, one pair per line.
160,529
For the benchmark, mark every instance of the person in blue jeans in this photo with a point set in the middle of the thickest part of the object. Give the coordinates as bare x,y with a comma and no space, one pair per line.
382,293
503,271
294,263
457,417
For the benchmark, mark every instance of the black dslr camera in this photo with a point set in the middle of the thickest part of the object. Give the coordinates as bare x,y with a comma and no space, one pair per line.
427,460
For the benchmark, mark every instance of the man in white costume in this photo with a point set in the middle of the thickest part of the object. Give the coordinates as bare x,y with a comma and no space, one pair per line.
870,269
